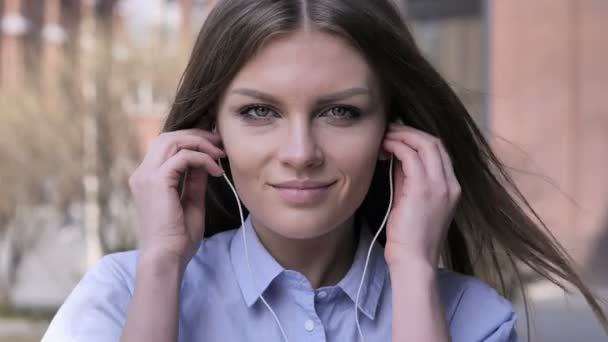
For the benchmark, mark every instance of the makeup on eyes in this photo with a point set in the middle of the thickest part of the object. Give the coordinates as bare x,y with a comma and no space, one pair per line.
355,103
267,112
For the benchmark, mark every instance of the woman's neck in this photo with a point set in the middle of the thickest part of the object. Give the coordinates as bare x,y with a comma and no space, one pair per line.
323,260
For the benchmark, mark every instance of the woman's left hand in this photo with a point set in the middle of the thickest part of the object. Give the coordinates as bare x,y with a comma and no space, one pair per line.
426,193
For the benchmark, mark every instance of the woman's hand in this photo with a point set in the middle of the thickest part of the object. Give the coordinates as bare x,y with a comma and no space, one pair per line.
425,196
171,226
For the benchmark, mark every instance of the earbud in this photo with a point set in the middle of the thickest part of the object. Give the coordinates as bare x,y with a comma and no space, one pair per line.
214,130
389,156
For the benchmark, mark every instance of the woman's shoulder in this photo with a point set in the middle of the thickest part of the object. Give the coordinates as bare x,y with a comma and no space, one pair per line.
117,270
97,306
475,309
459,289
122,265
454,284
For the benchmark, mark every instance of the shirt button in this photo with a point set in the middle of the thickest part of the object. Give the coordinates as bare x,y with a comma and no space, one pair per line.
321,294
309,325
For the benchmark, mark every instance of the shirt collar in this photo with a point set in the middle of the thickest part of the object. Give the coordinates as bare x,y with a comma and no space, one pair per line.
375,274
265,269
263,266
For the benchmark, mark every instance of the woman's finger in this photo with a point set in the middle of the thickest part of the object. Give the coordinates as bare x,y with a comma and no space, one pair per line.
427,147
452,181
168,144
411,164
188,159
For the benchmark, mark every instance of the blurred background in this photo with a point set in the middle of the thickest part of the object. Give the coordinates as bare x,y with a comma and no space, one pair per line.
85,85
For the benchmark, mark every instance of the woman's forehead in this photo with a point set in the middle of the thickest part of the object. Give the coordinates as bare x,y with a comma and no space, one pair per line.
305,61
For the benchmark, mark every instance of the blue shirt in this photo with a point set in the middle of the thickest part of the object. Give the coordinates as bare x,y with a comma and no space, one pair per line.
219,302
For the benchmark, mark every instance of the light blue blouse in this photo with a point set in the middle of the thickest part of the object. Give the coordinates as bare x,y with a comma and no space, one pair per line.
219,302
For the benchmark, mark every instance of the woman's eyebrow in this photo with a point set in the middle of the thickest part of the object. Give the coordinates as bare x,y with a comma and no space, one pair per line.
321,101
341,95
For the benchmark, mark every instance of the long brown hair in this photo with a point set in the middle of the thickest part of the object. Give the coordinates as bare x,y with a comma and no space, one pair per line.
491,234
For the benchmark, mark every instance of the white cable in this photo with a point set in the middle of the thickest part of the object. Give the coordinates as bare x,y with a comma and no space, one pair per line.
390,204
238,202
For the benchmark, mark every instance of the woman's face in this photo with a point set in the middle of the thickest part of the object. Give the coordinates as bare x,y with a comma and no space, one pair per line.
306,107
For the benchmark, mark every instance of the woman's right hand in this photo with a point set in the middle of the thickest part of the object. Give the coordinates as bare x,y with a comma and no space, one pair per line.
170,226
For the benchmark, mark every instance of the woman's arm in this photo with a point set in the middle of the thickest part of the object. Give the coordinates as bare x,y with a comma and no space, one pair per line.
417,311
426,194
153,314
169,189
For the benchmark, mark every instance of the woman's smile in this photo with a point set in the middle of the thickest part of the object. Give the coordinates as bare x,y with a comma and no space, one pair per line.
302,194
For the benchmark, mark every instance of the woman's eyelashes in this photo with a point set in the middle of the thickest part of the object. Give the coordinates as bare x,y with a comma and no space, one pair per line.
257,112
261,112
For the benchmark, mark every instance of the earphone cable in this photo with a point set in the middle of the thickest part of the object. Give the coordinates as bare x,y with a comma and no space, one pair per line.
247,254
390,204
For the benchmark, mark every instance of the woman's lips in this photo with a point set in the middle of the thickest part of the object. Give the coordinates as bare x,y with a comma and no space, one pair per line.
302,196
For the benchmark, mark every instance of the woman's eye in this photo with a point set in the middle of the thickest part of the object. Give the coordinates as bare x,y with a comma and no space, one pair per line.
257,112
343,112
262,112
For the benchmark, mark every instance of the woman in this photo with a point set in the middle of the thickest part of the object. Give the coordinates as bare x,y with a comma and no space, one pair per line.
300,101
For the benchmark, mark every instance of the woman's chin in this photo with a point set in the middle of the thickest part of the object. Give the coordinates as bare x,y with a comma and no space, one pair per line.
303,225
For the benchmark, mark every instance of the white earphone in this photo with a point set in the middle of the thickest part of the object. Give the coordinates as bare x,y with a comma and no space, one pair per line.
214,130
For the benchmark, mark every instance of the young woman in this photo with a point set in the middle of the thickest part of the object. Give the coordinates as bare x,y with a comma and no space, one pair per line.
333,131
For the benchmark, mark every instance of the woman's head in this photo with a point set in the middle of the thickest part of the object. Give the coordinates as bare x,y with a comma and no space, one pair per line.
306,106
299,51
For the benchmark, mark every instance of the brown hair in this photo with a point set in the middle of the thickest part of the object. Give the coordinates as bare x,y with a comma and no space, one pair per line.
491,234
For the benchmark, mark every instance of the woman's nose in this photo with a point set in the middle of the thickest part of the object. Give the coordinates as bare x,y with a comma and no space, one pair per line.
300,148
